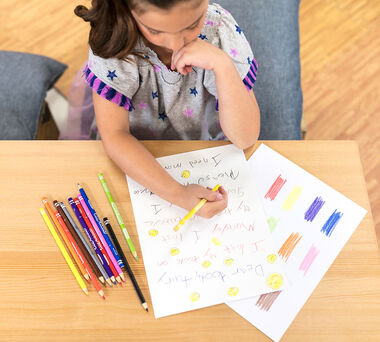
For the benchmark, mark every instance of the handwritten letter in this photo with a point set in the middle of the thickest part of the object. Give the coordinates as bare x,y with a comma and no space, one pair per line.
208,261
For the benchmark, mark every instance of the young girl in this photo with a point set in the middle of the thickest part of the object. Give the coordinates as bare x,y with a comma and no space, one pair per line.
169,69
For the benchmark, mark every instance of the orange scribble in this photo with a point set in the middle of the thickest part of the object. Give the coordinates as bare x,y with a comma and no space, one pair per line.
289,245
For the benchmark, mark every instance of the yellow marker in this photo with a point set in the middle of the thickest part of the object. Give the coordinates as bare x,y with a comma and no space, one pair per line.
216,241
229,261
63,251
206,264
174,251
233,291
194,297
271,258
275,281
186,174
153,232
193,211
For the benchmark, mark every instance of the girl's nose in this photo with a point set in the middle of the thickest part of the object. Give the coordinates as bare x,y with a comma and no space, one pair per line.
175,42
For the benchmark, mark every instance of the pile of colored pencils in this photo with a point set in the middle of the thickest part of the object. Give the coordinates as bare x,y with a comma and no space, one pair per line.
96,252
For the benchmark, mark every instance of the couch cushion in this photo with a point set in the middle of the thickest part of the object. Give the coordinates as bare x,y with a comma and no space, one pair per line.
272,28
25,79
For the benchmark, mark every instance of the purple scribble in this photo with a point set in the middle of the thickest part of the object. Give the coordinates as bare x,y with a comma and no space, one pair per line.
330,224
314,209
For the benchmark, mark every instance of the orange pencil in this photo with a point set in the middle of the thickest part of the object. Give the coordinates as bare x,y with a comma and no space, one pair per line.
68,244
78,251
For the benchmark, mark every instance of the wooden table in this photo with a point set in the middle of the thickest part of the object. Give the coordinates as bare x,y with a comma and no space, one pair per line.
40,300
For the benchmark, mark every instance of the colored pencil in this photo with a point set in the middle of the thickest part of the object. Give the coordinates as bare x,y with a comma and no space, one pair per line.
193,211
126,264
95,263
78,250
81,215
63,251
107,241
78,241
95,231
118,216
65,238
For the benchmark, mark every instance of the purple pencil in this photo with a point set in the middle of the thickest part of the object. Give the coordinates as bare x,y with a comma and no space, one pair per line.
74,206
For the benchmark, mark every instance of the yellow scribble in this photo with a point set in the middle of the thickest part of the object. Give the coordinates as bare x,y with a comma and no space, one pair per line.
186,174
292,198
275,281
153,232
206,263
216,241
229,261
271,258
174,251
233,291
194,297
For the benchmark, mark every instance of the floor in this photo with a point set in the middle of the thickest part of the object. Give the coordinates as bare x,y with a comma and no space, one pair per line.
340,57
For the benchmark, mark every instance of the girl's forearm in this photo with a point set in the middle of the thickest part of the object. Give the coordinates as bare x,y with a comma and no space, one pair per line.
138,163
239,113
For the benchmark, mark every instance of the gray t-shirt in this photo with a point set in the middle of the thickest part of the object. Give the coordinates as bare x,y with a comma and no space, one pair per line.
163,104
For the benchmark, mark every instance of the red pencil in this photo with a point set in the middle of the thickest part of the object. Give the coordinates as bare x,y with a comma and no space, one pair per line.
78,251
98,242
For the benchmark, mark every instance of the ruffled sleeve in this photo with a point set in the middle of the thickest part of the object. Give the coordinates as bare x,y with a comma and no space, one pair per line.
221,30
113,79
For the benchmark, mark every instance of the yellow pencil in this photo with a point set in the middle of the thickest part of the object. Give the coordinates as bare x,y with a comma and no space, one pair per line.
63,251
192,212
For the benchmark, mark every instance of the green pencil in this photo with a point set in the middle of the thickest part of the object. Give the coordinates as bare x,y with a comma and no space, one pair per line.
118,216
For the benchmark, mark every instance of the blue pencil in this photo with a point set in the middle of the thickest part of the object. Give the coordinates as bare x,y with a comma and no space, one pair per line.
101,227
92,241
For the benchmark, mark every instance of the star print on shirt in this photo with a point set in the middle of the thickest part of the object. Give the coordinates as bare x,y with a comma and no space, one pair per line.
154,95
238,29
202,36
111,74
189,112
234,52
157,68
249,60
142,105
193,91
162,116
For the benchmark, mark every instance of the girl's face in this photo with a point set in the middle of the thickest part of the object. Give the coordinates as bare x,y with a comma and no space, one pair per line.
174,28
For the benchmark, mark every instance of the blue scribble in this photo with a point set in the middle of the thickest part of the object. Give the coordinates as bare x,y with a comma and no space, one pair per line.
330,224
314,209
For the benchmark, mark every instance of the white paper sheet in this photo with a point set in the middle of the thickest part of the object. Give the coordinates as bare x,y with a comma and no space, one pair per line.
317,220
208,261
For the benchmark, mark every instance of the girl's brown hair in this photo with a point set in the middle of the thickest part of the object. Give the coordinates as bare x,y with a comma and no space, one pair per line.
114,32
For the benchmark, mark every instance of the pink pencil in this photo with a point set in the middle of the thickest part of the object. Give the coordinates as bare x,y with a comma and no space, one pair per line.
100,235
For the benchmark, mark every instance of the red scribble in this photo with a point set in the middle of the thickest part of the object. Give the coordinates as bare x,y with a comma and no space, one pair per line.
289,245
266,300
275,188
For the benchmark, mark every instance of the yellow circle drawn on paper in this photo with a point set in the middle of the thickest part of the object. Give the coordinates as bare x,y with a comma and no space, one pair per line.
216,241
194,296
174,251
185,174
228,261
153,232
271,258
233,291
275,281
206,263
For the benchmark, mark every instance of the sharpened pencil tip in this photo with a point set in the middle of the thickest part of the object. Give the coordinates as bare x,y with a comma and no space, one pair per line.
145,306
104,297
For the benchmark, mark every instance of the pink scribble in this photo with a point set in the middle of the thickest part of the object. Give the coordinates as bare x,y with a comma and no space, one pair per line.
309,259
275,188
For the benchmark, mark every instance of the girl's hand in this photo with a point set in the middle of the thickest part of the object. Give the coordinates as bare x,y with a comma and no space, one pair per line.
193,193
197,53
